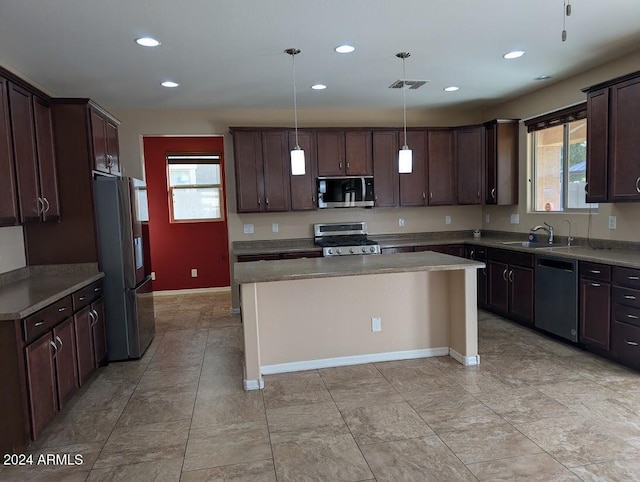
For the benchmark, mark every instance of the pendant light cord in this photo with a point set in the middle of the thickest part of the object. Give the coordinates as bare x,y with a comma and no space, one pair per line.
404,102
295,100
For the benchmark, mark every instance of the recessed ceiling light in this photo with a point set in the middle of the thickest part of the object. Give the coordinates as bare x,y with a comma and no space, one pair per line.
514,55
318,86
453,88
344,49
147,42
169,83
542,77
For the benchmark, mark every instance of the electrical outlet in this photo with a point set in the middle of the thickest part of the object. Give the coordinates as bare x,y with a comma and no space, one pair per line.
447,220
194,273
515,219
248,229
153,275
487,219
400,221
612,222
274,227
376,324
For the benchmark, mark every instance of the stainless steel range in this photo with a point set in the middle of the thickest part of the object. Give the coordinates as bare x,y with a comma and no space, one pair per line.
343,239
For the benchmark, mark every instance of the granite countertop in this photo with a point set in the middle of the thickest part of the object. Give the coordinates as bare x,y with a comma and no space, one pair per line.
34,288
294,269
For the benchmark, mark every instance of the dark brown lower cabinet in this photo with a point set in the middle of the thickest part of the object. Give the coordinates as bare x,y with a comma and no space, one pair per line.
90,338
41,382
521,296
498,294
510,288
595,313
65,362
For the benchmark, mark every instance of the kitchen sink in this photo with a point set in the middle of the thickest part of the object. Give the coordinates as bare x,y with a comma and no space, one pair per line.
536,245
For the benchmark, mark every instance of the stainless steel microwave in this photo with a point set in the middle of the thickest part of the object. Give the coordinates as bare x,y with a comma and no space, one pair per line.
345,192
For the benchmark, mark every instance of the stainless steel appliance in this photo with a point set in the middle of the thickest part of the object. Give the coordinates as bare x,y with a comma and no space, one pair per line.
345,192
129,308
342,239
556,300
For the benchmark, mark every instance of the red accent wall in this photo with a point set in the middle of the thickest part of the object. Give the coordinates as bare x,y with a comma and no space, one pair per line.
176,248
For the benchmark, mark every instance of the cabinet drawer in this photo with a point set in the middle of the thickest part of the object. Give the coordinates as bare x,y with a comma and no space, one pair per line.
626,296
626,277
595,271
626,314
86,295
45,319
302,254
625,341
244,258
511,257
480,252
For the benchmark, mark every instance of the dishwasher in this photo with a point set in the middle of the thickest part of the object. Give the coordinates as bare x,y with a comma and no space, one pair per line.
556,296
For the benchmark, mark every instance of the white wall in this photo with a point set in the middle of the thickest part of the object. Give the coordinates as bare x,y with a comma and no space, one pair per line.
11,249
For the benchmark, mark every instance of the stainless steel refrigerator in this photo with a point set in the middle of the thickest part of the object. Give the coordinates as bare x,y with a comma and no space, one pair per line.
128,297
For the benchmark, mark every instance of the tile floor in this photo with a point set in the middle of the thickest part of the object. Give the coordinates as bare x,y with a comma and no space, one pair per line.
535,409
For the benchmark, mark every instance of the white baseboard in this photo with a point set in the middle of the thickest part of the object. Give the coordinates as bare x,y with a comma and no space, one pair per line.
465,360
253,384
352,360
191,291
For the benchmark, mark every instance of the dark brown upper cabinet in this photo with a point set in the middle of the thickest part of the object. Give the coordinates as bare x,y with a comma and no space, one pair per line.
303,188
276,171
344,153
613,140
469,164
501,157
413,186
104,137
9,214
440,150
385,168
32,137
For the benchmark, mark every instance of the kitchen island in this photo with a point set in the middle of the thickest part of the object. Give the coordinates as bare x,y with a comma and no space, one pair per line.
305,314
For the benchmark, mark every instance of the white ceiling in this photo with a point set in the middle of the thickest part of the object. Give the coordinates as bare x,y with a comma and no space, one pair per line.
229,54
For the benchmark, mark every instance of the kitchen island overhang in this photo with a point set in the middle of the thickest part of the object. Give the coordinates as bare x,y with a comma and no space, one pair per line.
305,314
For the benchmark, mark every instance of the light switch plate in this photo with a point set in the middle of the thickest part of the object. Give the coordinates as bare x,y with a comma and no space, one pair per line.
274,227
400,221
376,324
153,275
194,273
248,229
515,219
447,220
612,222
487,219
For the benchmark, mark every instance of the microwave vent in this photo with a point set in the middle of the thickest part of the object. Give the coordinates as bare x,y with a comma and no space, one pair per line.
408,84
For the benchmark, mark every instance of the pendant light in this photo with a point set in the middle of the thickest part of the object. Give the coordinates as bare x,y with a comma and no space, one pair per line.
297,154
405,155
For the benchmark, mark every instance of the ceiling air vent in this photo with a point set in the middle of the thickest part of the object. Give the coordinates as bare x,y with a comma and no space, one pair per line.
408,84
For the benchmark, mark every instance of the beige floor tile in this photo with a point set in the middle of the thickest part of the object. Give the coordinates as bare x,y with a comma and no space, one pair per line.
575,441
177,378
144,443
335,377
335,458
166,404
525,405
365,393
229,409
299,389
385,423
262,471
214,446
156,471
530,468
420,460
302,422
219,384
615,470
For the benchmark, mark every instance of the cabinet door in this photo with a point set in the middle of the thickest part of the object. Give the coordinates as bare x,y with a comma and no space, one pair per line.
275,158
482,286
521,282
98,332
469,164
498,290
46,161
65,361
330,150
41,382
82,322
385,168
413,186
440,166
358,153
597,145
491,180
24,148
99,138
507,155
8,193
113,149
247,148
595,313
624,148
303,188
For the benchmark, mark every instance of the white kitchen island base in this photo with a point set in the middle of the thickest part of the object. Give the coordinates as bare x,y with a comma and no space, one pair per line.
326,321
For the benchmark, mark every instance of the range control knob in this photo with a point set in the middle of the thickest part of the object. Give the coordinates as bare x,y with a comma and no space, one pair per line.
372,249
364,250
351,250
339,250
329,251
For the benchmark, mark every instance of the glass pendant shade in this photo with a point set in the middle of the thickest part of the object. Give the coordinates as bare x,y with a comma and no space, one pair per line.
405,160
297,162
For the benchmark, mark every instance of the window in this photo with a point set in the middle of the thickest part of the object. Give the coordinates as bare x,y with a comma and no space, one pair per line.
559,160
195,187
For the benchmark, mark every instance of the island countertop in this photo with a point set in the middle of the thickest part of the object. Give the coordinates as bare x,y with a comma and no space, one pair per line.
307,268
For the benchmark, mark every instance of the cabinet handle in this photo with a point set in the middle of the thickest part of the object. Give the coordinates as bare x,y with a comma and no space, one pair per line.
266,201
638,184
347,165
595,285
484,271
41,206
629,297
46,210
92,320
258,201
504,274
594,271
60,310
97,289
430,195
38,323
472,254
55,348
60,341
511,276
81,298
633,278
478,195
493,193
96,316
313,199
632,343
633,317
424,196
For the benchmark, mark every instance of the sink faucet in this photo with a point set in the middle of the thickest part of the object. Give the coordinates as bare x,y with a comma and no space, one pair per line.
570,238
546,228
